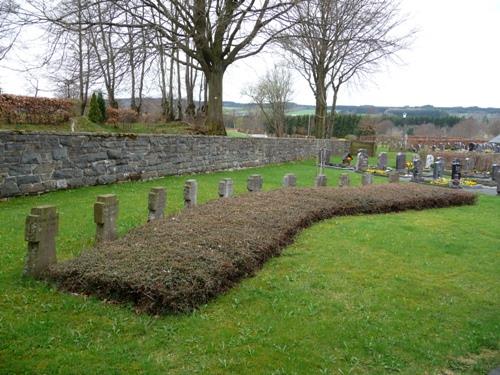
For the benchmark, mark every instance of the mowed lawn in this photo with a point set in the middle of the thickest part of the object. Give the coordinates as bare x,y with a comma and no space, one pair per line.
413,292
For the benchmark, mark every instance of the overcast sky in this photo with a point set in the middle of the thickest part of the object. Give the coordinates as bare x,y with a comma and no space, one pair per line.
453,61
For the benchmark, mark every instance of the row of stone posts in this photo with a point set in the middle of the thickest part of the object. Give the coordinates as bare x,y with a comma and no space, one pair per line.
42,224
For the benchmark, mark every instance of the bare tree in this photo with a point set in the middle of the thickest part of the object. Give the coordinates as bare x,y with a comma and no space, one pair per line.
272,93
333,40
9,29
215,35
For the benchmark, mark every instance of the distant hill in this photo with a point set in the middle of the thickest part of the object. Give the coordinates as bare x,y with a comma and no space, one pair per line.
153,105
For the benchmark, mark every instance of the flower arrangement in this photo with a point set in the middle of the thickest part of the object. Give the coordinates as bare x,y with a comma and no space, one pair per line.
443,181
377,172
468,182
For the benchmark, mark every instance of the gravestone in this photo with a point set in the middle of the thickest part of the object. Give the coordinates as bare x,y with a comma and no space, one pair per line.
344,180
226,188
42,226
429,160
497,179
362,161
417,169
393,177
382,161
254,183
468,165
401,162
156,203
190,193
105,216
494,169
290,180
438,169
456,172
367,179
320,180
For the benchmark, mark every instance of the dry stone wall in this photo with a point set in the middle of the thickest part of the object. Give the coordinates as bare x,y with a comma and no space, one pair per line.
40,162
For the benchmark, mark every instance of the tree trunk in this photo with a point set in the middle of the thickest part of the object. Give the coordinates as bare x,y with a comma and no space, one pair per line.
321,107
215,119
331,125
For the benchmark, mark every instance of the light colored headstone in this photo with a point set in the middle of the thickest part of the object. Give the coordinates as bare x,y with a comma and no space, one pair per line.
320,180
401,162
362,161
290,180
429,160
254,183
190,193
367,179
382,161
393,177
226,188
42,226
156,203
344,180
105,216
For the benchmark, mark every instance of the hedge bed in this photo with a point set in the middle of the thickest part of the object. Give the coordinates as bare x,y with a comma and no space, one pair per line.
177,264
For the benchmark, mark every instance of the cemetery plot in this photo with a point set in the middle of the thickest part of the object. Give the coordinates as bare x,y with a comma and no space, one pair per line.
179,263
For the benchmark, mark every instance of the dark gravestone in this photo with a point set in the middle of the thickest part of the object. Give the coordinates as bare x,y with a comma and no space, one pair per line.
417,170
400,162
42,226
456,172
494,169
438,169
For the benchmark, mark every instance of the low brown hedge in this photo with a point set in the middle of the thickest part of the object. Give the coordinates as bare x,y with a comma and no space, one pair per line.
177,264
16,109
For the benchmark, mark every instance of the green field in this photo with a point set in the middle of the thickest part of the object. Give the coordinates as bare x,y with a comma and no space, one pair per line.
414,293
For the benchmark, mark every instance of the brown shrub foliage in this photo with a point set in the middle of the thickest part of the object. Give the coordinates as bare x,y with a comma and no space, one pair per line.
38,111
121,116
179,263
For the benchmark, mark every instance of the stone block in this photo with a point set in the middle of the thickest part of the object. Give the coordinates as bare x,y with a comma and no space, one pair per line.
156,203
321,180
190,193
226,188
393,177
367,179
344,181
42,226
105,217
290,180
254,183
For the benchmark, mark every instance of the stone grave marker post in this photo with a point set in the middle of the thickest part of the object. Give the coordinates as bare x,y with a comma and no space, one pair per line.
156,203
105,216
42,226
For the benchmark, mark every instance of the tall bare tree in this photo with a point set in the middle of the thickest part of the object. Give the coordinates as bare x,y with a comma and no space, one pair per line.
215,35
272,93
331,37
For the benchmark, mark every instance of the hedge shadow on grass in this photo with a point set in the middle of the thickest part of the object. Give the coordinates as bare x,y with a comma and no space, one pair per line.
181,262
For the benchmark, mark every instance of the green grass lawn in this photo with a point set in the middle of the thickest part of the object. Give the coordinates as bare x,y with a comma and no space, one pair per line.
236,134
415,293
